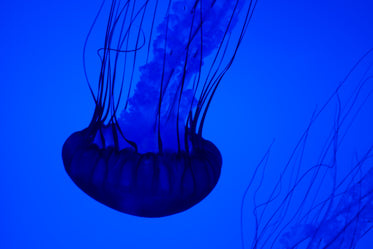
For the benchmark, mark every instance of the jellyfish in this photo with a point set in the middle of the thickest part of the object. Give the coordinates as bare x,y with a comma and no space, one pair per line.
143,153
323,197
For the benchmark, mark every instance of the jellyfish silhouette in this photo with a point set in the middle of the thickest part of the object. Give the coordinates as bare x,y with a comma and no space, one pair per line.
143,152
322,199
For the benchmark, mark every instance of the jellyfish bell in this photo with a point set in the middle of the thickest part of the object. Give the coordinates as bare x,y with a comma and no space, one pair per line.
143,152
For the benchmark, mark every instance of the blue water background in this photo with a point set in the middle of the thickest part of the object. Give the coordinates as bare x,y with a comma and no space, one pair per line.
292,58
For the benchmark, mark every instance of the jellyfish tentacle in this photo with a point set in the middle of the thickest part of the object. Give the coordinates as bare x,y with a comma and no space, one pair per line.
150,159
313,205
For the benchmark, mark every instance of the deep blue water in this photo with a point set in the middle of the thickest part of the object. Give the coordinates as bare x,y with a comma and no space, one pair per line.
294,55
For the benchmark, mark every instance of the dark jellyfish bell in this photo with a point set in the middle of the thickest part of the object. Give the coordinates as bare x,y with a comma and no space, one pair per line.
146,185
149,158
